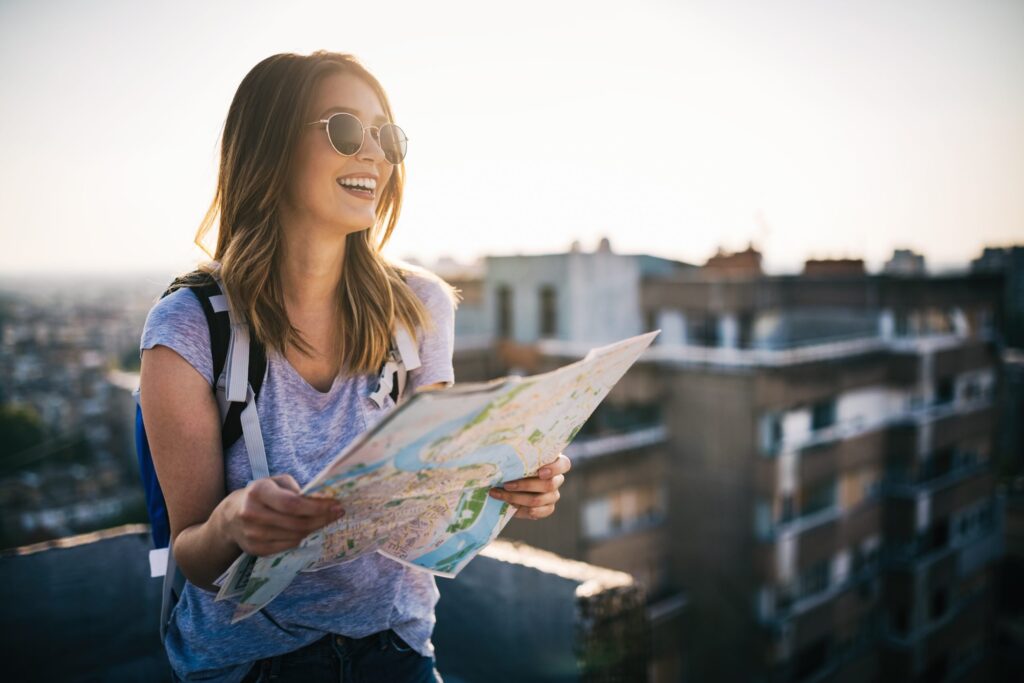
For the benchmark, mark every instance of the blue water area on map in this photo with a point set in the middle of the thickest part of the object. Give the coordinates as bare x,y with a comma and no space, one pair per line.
500,454
453,552
466,542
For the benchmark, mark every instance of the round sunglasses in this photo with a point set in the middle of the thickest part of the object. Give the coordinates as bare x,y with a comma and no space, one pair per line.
347,133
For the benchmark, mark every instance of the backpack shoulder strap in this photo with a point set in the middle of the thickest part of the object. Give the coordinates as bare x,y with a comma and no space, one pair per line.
208,289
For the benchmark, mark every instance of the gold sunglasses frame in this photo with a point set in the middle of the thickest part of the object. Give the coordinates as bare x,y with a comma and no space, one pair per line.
327,125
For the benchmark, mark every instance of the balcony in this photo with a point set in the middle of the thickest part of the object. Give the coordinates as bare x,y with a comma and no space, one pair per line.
85,608
971,552
931,480
584,449
796,602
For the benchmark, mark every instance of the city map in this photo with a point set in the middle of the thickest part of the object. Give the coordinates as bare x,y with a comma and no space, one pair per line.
415,485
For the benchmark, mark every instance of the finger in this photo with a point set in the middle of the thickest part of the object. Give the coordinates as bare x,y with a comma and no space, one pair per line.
287,481
535,484
256,515
561,465
274,496
259,541
526,499
535,513
271,547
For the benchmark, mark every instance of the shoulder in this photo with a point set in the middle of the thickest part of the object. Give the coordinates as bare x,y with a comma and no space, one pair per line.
178,322
436,294
179,309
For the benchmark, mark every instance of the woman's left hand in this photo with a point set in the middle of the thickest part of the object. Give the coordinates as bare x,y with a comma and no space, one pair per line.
535,497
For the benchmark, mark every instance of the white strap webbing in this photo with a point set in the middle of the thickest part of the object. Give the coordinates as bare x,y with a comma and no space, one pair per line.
238,362
407,351
219,302
237,366
174,582
253,438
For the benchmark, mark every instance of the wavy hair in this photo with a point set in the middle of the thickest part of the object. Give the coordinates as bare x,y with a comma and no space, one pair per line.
257,148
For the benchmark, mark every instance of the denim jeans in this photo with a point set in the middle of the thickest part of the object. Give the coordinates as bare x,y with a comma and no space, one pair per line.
382,656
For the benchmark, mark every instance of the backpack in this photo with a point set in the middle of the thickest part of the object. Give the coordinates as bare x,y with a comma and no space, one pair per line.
239,364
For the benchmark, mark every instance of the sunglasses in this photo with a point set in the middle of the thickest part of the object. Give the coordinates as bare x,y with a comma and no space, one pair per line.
347,133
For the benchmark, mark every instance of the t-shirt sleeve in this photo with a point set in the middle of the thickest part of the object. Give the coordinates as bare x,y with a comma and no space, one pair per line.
436,345
177,321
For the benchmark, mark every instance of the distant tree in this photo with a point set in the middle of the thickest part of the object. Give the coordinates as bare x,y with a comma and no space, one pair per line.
130,361
20,429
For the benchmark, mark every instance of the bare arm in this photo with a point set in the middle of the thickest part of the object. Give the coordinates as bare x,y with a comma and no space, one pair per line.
209,528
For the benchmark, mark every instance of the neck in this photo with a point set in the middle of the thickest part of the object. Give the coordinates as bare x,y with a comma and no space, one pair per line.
310,270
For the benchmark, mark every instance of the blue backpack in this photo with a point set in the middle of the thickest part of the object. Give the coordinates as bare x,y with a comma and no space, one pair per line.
239,364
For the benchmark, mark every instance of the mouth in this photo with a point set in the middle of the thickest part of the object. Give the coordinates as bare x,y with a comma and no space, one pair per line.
361,187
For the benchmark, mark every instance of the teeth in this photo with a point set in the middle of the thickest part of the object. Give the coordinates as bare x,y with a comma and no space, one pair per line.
365,183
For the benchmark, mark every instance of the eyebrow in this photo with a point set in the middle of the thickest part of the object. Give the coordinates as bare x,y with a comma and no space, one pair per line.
348,110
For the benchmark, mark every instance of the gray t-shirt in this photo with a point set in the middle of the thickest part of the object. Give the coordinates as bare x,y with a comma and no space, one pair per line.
303,430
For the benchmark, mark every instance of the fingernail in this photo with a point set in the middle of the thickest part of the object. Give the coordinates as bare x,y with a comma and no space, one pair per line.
545,472
511,486
494,493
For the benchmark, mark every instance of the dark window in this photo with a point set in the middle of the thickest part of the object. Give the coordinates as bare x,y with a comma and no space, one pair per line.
944,391
812,658
746,330
815,579
818,497
548,311
900,620
650,320
937,669
939,465
938,603
504,311
938,536
787,509
703,330
823,414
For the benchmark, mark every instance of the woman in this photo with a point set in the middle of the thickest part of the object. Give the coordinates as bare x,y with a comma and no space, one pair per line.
305,202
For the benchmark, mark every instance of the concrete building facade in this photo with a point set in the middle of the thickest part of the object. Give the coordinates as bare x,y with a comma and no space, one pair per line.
799,469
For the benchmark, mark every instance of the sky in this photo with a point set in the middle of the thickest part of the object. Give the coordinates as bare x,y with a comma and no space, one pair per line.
814,129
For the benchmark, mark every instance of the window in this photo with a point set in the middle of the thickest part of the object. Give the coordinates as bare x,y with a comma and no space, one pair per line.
624,510
814,579
823,414
811,658
771,433
938,536
786,512
944,391
900,619
504,311
818,497
548,311
938,604
703,330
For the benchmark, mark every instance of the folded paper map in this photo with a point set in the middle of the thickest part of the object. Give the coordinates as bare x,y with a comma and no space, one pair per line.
414,486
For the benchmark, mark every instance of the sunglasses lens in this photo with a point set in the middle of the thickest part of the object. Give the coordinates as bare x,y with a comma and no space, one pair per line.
346,133
393,142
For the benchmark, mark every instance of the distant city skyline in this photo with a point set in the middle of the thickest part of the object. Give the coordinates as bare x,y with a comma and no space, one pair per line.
845,129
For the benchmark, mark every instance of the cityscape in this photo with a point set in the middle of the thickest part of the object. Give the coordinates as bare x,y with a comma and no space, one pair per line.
824,469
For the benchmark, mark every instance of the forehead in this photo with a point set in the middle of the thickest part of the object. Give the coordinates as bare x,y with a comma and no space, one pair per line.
347,92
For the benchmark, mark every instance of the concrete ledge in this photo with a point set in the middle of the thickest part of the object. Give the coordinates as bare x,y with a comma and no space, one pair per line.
84,608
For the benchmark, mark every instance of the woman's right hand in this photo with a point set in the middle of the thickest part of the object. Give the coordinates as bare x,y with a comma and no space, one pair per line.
270,515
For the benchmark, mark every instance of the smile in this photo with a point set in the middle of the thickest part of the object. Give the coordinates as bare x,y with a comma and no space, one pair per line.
364,188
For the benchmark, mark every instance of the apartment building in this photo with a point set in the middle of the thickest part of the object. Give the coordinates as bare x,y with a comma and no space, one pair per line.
798,470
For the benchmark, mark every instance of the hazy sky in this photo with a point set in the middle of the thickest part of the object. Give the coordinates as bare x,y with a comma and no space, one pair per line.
814,128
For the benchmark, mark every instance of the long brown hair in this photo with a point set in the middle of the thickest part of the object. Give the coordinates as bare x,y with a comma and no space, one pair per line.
257,148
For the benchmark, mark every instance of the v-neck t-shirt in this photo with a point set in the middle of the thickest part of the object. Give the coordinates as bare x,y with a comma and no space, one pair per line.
303,430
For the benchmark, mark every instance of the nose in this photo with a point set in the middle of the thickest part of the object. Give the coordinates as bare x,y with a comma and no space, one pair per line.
371,149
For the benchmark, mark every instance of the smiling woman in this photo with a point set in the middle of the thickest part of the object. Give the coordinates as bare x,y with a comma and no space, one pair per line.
308,193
